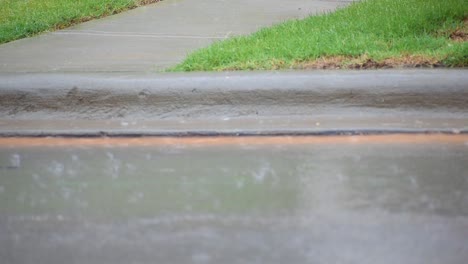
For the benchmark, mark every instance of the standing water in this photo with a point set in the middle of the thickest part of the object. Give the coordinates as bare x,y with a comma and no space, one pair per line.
204,202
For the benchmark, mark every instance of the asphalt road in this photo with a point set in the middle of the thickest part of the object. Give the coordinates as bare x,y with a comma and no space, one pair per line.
322,199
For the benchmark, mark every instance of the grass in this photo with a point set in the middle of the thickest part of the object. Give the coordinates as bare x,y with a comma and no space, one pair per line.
366,34
24,18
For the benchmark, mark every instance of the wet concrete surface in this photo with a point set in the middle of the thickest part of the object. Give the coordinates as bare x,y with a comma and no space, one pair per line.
233,102
352,121
152,37
361,199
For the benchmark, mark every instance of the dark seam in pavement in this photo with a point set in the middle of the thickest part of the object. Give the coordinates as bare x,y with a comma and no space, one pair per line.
230,134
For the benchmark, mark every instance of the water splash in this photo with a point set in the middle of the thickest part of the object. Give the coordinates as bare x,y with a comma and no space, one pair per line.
114,165
56,168
15,161
262,173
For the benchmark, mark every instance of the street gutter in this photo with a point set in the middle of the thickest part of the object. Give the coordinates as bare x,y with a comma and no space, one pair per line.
235,103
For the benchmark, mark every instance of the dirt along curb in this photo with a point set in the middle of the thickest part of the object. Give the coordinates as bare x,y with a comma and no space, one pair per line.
240,103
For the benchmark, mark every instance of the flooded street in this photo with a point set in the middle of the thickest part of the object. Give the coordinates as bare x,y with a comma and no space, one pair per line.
329,199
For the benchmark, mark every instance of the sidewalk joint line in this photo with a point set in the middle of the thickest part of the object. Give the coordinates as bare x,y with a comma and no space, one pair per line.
130,34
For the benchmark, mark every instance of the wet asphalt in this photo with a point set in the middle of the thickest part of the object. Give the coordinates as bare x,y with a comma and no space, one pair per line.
360,199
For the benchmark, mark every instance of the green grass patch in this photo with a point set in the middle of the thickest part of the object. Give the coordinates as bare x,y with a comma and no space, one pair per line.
24,18
366,34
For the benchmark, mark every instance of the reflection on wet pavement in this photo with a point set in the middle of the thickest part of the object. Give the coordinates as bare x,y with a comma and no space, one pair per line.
238,203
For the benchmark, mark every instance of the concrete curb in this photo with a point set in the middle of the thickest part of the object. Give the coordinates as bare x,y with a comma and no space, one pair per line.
410,94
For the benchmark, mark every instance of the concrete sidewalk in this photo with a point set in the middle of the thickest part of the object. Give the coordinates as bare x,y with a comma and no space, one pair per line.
150,38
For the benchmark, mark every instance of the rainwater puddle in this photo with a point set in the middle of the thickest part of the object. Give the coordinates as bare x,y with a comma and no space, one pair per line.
304,203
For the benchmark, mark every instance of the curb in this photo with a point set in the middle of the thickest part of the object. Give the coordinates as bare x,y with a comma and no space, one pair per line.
408,94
